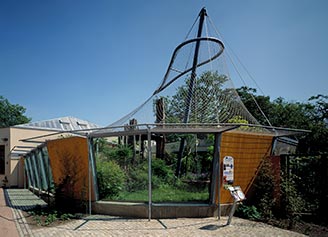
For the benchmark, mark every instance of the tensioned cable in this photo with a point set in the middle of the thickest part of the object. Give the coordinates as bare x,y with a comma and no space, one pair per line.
185,40
208,45
239,74
191,48
191,28
241,103
238,59
234,110
211,65
258,106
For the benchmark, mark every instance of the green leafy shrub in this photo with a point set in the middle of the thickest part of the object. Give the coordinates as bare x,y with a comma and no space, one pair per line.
111,179
138,177
122,155
162,171
47,216
292,201
50,218
248,212
264,190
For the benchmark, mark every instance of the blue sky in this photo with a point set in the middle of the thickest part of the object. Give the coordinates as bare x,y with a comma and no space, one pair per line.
98,60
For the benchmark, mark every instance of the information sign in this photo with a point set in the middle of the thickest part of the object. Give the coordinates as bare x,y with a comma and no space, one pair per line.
228,168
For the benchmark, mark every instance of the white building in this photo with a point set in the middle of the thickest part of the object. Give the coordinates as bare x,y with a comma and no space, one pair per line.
17,140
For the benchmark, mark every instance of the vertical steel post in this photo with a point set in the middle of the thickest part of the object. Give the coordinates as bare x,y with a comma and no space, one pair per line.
216,175
149,174
202,15
24,178
89,175
233,209
92,173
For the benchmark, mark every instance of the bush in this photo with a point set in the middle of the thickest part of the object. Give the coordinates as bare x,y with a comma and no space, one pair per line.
292,201
138,177
111,179
264,191
122,155
162,171
47,216
248,212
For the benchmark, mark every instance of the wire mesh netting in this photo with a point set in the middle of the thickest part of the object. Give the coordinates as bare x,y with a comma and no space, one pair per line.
193,90
166,150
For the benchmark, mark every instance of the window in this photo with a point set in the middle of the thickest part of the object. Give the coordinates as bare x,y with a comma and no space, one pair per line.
65,125
2,159
82,125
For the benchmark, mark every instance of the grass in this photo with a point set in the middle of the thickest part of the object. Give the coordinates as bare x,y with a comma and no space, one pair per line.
165,194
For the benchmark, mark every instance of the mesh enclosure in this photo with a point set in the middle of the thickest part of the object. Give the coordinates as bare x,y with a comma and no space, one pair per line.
196,91
199,93
166,150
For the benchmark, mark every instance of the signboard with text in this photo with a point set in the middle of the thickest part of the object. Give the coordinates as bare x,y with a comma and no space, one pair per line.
228,170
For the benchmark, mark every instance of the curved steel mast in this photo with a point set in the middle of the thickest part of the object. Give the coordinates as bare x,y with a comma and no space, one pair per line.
202,15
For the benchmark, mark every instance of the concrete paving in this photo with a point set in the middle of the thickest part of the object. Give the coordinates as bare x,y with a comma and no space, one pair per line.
100,225
7,220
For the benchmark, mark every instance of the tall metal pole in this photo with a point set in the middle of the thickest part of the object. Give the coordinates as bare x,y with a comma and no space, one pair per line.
149,174
202,15
92,180
217,171
89,174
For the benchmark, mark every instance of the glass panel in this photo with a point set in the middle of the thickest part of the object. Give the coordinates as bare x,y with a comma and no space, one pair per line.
2,159
122,168
35,171
47,168
44,183
29,171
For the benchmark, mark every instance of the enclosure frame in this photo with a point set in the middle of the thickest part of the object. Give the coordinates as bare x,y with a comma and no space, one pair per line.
188,128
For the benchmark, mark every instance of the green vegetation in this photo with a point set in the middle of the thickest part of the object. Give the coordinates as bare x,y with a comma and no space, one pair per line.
311,115
110,177
248,212
47,216
301,192
124,177
165,194
11,114
297,201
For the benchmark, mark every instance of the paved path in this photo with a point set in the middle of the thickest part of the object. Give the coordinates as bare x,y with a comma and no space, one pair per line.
164,227
99,225
7,221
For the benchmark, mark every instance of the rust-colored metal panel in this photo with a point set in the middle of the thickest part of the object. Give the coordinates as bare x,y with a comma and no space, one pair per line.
70,166
248,151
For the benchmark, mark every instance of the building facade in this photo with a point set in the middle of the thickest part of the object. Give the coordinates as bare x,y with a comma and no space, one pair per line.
18,140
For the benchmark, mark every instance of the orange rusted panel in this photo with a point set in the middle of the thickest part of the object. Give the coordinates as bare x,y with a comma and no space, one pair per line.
248,151
70,165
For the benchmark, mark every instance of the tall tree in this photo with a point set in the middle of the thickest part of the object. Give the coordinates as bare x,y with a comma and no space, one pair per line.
317,111
11,114
247,96
311,115
206,105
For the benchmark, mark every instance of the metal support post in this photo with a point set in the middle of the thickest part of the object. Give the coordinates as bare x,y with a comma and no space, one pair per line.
233,209
149,175
216,174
